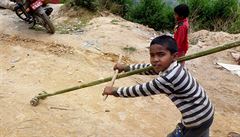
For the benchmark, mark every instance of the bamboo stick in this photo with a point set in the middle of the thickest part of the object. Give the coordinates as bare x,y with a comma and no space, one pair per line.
114,76
43,95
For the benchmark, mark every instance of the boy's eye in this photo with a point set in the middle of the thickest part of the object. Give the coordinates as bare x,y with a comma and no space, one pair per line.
161,54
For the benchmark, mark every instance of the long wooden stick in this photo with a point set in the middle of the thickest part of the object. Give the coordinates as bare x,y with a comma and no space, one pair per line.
97,82
114,76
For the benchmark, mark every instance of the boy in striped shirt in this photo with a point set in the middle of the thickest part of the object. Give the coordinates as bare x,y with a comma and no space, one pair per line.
177,83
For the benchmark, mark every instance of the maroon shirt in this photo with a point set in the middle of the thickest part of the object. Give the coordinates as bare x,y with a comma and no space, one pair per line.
181,36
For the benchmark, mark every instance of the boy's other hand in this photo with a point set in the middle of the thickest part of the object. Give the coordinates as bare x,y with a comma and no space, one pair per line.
120,67
108,90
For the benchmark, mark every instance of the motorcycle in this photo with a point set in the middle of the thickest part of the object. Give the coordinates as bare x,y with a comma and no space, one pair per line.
35,12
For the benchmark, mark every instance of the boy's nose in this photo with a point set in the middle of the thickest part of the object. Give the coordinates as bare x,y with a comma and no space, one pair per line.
156,59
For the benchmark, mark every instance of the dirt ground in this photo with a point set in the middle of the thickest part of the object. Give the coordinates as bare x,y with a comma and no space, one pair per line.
33,61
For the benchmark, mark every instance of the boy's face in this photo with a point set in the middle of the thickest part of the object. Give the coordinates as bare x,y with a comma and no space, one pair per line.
176,16
160,57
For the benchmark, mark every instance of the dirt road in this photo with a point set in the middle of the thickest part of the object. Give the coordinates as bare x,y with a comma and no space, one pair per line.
32,61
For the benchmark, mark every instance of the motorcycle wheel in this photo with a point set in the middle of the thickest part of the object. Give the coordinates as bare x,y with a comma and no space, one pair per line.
46,21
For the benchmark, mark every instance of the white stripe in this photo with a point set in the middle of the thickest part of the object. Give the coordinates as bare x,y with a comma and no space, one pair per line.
173,72
131,67
196,102
171,96
200,121
191,91
137,90
161,86
119,92
198,115
183,83
178,101
196,109
144,87
153,88
131,91
124,91
179,77
191,81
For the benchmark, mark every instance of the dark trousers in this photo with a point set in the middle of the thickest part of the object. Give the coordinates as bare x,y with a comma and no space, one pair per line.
200,131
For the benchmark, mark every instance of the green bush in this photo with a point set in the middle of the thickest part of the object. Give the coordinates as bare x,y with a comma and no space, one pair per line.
235,26
88,4
214,15
119,7
153,13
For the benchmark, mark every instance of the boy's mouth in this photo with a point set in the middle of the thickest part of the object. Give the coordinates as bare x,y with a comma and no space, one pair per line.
157,67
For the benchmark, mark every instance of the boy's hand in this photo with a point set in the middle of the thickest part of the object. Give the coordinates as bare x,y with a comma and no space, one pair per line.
120,67
109,91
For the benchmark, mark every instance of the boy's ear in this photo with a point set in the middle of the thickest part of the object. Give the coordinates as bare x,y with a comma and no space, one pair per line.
175,56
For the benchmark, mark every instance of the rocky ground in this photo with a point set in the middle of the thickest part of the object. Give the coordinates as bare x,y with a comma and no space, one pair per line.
32,61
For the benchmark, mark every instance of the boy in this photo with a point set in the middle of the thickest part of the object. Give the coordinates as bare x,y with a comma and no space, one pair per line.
174,81
181,13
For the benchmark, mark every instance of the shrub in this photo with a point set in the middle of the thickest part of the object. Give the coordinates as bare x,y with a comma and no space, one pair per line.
119,7
153,13
214,15
88,4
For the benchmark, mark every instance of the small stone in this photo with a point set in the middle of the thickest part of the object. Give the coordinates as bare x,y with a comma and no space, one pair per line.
107,110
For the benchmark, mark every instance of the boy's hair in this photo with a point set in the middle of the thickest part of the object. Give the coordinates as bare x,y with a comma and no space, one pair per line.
166,41
182,10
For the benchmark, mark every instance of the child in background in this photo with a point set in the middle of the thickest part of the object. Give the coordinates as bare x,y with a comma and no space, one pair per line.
175,82
181,13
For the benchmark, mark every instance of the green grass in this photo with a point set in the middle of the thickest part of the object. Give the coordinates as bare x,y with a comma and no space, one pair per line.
129,49
115,22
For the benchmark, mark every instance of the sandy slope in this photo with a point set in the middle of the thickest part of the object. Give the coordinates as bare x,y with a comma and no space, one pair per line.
32,61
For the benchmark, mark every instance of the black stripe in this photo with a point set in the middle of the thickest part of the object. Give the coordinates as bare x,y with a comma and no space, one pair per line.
185,85
134,91
176,74
145,73
123,94
133,67
194,92
197,112
166,86
195,99
142,91
153,72
194,106
181,79
174,99
163,77
156,86
149,89
138,66
187,90
127,91
202,117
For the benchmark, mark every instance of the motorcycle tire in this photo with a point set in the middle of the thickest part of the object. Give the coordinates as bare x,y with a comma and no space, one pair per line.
47,23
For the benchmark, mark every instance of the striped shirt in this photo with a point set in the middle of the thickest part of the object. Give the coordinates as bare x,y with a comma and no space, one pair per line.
178,84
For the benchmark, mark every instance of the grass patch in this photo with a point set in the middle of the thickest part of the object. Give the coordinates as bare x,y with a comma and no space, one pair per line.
129,49
115,22
77,19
